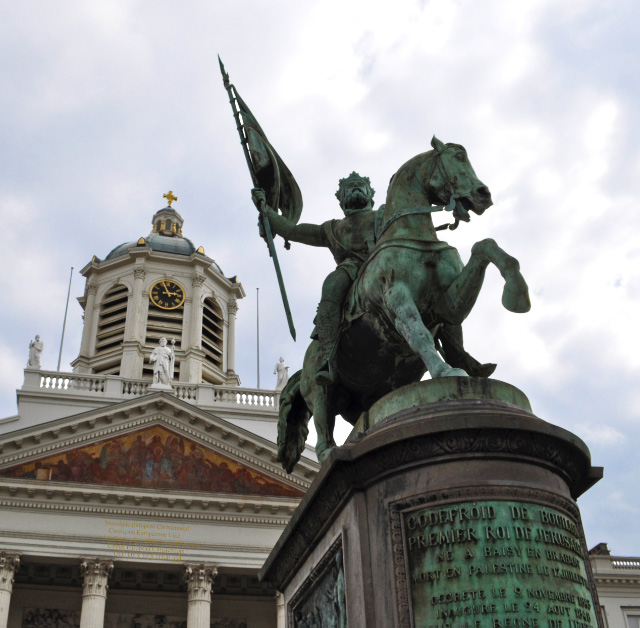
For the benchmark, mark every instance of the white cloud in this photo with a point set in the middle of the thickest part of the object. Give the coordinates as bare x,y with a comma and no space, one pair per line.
108,105
602,434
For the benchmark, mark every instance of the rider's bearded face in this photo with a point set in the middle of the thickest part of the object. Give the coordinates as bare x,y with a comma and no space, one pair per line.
355,196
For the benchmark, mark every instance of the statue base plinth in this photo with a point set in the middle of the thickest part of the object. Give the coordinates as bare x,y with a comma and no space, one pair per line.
164,387
451,506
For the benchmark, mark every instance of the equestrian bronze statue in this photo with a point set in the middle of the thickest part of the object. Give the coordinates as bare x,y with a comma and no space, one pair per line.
393,307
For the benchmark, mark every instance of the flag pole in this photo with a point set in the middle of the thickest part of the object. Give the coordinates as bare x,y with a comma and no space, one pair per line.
64,322
258,333
265,226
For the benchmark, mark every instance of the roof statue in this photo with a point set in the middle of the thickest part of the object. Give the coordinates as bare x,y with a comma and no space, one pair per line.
35,353
282,371
163,360
393,307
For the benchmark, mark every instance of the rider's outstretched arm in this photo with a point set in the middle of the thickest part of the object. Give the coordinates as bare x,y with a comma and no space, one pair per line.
314,235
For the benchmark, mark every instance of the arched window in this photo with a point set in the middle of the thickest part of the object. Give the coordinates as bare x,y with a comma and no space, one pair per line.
212,339
111,321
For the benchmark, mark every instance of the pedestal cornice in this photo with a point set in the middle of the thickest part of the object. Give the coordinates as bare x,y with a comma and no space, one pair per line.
451,431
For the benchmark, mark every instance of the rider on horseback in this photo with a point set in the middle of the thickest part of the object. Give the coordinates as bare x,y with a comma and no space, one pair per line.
350,240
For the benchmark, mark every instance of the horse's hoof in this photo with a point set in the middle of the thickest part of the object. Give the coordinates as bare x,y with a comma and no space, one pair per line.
485,370
325,453
515,296
449,371
456,373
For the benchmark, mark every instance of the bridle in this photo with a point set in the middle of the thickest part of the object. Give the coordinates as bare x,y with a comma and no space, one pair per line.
438,165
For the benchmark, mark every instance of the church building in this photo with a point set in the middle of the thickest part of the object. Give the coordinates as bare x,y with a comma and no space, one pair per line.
142,489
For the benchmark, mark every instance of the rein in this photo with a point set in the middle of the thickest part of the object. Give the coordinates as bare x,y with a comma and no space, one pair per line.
412,211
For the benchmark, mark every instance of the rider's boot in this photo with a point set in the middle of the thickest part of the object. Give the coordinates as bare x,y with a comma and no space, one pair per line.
327,326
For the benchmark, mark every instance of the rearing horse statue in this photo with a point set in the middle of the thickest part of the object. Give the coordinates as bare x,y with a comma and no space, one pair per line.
403,314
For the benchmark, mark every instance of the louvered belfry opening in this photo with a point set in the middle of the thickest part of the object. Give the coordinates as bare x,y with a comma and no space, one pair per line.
111,323
163,324
212,336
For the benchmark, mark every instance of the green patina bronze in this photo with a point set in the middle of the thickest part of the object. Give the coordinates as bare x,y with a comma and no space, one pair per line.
439,390
496,564
393,307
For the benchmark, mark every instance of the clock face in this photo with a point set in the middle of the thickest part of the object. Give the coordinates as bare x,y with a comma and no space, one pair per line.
167,294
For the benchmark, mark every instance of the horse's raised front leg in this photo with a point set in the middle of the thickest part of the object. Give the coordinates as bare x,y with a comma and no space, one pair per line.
515,296
461,295
404,314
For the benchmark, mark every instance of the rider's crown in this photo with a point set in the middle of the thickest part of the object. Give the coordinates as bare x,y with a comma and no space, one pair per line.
353,176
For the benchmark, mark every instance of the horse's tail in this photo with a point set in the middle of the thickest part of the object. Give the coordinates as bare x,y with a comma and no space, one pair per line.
292,423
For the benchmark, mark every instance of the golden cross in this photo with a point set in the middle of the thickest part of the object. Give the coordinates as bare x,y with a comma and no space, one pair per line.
170,197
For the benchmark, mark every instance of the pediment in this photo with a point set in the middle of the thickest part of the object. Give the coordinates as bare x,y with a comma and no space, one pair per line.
154,442
152,457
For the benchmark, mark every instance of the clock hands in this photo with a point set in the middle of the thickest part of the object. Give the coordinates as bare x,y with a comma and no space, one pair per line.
167,292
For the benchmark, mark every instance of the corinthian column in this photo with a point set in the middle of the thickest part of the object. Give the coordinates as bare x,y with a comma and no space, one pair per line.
96,572
88,329
232,308
134,326
9,564
199,580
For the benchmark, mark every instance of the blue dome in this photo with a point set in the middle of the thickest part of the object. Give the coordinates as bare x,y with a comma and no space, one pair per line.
165,237
157,242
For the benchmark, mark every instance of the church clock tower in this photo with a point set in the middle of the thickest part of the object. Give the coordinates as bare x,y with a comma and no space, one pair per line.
157,287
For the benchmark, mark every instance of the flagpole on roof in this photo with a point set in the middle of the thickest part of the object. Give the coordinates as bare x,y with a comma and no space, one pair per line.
64,322
258,333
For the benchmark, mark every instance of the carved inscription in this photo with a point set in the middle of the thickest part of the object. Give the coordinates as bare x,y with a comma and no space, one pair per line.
498,564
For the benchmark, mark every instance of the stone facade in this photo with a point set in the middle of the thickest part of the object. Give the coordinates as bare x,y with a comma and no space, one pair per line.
126,506
618,582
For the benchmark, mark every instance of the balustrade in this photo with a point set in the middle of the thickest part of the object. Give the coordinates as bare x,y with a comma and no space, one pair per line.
94,385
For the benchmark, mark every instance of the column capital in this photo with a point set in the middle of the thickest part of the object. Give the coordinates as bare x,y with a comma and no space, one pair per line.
199,579
232,306
9,564
92,288
198,280
96,572
139,273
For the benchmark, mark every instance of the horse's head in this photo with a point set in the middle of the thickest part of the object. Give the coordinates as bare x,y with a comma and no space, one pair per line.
447,173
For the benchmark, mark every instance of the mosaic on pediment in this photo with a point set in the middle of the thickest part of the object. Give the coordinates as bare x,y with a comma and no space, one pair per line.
154,457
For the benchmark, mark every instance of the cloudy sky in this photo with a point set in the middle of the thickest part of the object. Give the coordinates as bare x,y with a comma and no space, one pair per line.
108,105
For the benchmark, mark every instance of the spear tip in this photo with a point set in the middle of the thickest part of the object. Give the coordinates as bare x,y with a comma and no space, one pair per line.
225,76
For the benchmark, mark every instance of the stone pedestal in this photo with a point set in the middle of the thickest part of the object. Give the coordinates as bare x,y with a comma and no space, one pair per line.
452,506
